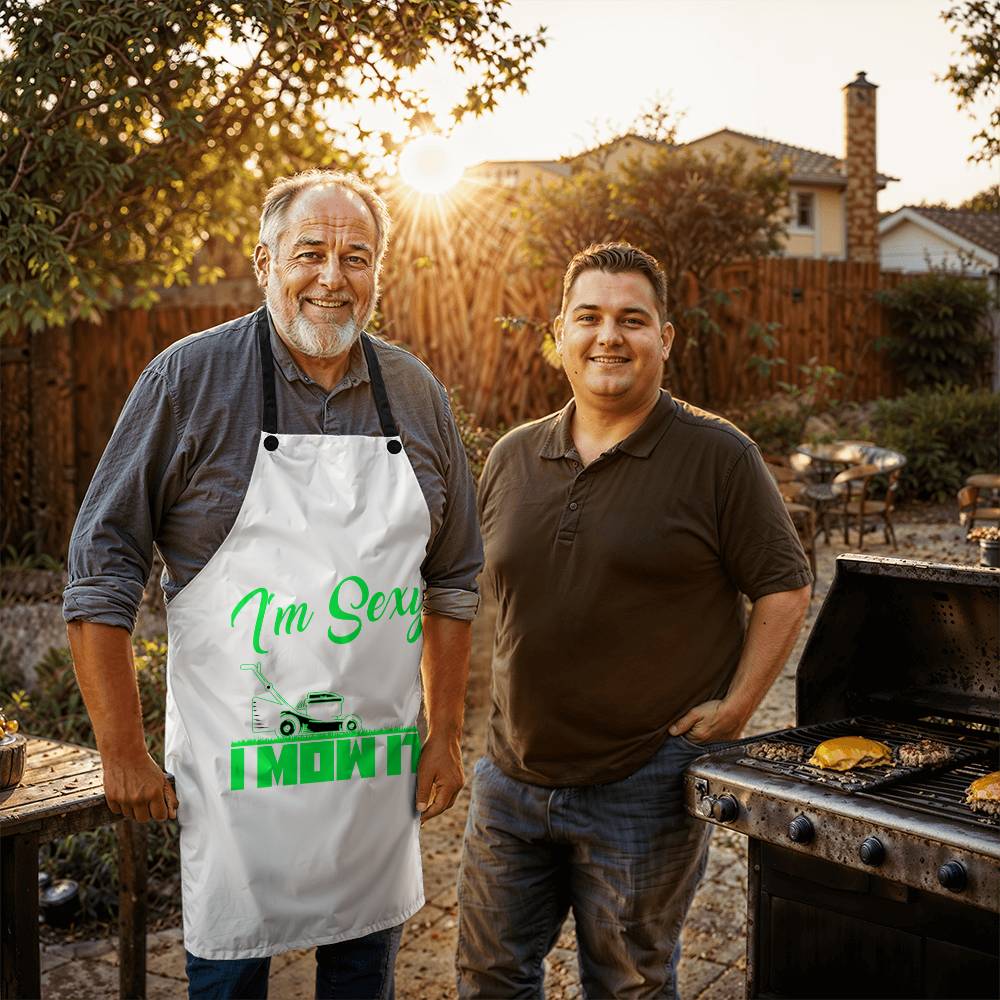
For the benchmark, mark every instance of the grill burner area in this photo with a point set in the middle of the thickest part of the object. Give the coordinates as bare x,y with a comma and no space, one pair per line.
876,882
966,746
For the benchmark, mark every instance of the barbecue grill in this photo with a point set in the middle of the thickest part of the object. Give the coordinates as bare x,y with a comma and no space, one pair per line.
876,882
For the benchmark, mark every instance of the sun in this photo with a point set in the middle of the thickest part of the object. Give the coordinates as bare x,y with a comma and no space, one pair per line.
430,164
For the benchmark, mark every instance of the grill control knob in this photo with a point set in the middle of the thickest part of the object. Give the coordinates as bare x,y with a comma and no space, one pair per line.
800,830
952,876
872,852
725,809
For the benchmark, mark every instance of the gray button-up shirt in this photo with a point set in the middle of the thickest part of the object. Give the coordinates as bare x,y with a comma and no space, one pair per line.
178,464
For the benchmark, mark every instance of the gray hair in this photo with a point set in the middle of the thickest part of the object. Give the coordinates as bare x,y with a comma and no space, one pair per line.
283,192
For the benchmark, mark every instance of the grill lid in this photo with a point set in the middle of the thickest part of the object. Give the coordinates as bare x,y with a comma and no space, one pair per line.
904,637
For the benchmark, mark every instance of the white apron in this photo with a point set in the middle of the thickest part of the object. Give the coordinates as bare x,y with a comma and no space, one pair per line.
293,693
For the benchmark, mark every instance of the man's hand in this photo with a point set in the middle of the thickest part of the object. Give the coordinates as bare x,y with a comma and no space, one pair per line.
774,623
440,775
709,722
138,789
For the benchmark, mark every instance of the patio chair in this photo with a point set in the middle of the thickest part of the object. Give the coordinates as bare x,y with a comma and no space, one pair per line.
853,486
819,494
972,507
804,520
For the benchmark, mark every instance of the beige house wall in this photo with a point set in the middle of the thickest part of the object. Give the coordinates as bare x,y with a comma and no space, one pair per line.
826,240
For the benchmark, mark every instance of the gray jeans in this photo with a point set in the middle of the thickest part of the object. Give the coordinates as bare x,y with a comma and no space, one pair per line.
624,857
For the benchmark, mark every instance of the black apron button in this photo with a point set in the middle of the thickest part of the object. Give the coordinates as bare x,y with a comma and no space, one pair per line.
395,447
271,442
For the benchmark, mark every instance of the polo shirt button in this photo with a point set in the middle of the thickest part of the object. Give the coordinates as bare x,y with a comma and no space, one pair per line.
573,505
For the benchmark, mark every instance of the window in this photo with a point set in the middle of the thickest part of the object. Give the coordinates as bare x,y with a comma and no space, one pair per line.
803,210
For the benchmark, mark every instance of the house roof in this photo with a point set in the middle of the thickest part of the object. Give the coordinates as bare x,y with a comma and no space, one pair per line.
804,164
970,231
981,228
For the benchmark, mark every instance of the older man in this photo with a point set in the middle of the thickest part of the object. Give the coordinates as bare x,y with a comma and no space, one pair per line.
308,491
621,535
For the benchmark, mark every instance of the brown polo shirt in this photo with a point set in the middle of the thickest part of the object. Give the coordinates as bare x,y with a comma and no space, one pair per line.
619,585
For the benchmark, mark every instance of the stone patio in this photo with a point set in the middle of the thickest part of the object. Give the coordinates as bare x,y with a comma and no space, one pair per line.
714,937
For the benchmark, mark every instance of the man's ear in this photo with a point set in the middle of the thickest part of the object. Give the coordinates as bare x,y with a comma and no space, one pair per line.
668,339
557,331
261,263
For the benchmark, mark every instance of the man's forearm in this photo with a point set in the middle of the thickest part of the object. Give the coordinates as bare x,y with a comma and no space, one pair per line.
105,671
445,671
774,626
134,784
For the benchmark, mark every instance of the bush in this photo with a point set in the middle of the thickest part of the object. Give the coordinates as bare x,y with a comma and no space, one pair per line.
946,435
477,440
55,710
938,337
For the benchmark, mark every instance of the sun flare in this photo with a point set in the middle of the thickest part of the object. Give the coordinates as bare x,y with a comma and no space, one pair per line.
430,164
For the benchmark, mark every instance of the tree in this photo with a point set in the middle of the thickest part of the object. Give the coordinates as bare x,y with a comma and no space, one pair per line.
976,76
133,132
562,217
694,212
986,201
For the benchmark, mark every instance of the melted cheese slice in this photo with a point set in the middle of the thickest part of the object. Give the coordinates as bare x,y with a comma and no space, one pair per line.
986,788
847,752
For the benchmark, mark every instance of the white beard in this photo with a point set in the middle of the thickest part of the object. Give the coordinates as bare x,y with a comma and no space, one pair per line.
326,341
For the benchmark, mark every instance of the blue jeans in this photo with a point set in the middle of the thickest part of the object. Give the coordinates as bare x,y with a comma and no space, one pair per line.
625,857
361,968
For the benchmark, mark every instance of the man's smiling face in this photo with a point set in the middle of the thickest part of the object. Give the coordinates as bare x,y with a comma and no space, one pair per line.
612,341
320,277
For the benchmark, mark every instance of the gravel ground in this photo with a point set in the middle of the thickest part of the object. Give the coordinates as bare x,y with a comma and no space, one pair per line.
714,939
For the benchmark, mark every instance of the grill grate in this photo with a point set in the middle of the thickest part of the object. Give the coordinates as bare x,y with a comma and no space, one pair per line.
967,747
942,794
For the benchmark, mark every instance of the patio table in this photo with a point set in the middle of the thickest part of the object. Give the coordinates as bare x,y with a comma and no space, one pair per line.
62,792
834,453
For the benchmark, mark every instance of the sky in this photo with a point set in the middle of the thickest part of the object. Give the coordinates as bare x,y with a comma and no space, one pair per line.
773,68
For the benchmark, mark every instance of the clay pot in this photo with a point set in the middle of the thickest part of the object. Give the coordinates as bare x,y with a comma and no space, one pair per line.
12,754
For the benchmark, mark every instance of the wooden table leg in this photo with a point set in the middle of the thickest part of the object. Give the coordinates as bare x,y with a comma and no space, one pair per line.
131,909
20,967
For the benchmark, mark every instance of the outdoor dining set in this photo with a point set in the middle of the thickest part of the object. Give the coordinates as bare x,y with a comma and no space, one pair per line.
856,483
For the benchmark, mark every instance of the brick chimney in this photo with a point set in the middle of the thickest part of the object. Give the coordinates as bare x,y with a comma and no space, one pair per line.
859,159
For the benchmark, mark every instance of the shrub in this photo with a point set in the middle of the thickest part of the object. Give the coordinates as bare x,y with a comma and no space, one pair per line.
477,440
946,435
938,336
55,710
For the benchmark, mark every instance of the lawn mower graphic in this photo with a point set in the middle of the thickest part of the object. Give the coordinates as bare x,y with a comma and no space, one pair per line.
314,712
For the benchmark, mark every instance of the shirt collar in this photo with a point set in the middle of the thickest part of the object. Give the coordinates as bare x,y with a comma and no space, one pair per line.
357,368
640,443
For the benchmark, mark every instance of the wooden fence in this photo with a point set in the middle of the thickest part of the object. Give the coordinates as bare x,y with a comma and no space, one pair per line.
454,270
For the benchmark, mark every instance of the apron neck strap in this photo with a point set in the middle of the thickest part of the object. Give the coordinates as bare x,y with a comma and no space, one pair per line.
267,373
270,418
385,418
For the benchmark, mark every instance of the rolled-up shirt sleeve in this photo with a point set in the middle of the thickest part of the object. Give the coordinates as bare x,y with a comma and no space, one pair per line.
455,556
111,548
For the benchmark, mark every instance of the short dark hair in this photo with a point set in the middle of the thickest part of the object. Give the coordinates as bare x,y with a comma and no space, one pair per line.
617,258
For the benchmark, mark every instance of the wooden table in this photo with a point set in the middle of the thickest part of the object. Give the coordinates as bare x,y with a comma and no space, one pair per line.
62,793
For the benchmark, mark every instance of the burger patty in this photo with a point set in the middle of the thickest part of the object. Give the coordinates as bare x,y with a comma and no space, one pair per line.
922,753
788,753
991,807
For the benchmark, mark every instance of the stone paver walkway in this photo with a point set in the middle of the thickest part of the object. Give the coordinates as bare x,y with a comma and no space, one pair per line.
714,939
